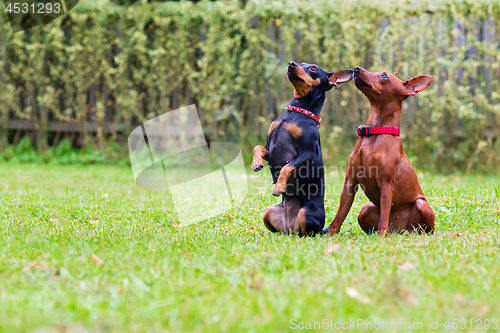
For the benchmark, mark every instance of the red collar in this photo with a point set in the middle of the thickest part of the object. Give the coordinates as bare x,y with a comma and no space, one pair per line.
367,130
306,112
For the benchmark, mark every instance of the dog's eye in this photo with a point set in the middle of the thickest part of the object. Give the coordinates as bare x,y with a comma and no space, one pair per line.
314,69
384,76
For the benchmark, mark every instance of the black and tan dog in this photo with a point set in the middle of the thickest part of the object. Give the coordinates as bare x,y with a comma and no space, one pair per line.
293,150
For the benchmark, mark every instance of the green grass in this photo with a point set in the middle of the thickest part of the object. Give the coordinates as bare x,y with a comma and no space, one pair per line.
229,274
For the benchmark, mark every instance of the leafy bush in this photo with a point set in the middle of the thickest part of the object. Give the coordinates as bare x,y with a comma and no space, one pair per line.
8,153
24,151
64,153
145,59
47,156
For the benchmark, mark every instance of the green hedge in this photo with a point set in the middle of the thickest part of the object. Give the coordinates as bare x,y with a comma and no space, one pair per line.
106,64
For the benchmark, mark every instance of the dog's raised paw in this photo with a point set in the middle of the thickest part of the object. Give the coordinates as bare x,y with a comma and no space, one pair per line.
257,163
257,167
278,190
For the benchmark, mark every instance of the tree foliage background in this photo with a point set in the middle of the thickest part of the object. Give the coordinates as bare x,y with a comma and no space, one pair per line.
104,68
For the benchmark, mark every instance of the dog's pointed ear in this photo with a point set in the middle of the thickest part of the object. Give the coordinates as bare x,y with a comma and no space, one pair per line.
338,77
418,83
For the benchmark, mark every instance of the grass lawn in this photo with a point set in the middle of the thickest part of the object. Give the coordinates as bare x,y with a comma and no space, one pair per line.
83,249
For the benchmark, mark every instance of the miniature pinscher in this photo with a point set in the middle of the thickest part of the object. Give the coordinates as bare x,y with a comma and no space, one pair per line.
293,150
379,163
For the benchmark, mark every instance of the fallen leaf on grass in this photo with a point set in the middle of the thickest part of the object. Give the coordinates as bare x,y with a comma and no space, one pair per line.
406,295
330,248
459,298
483,311
257,283
97,260
30,266
406,267
357,296
252,228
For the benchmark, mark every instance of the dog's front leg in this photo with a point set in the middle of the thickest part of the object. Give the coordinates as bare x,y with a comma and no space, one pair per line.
385,207
346,200
285,173
260,153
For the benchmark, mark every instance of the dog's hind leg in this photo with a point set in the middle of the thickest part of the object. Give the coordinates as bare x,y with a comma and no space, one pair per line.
368,218
399,218
413,217
282,217
423,218
310,220
274,218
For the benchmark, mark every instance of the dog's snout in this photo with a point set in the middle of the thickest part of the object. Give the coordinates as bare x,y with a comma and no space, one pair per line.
292,64
357,69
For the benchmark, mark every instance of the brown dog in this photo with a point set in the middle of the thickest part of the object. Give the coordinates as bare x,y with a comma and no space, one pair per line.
379,164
